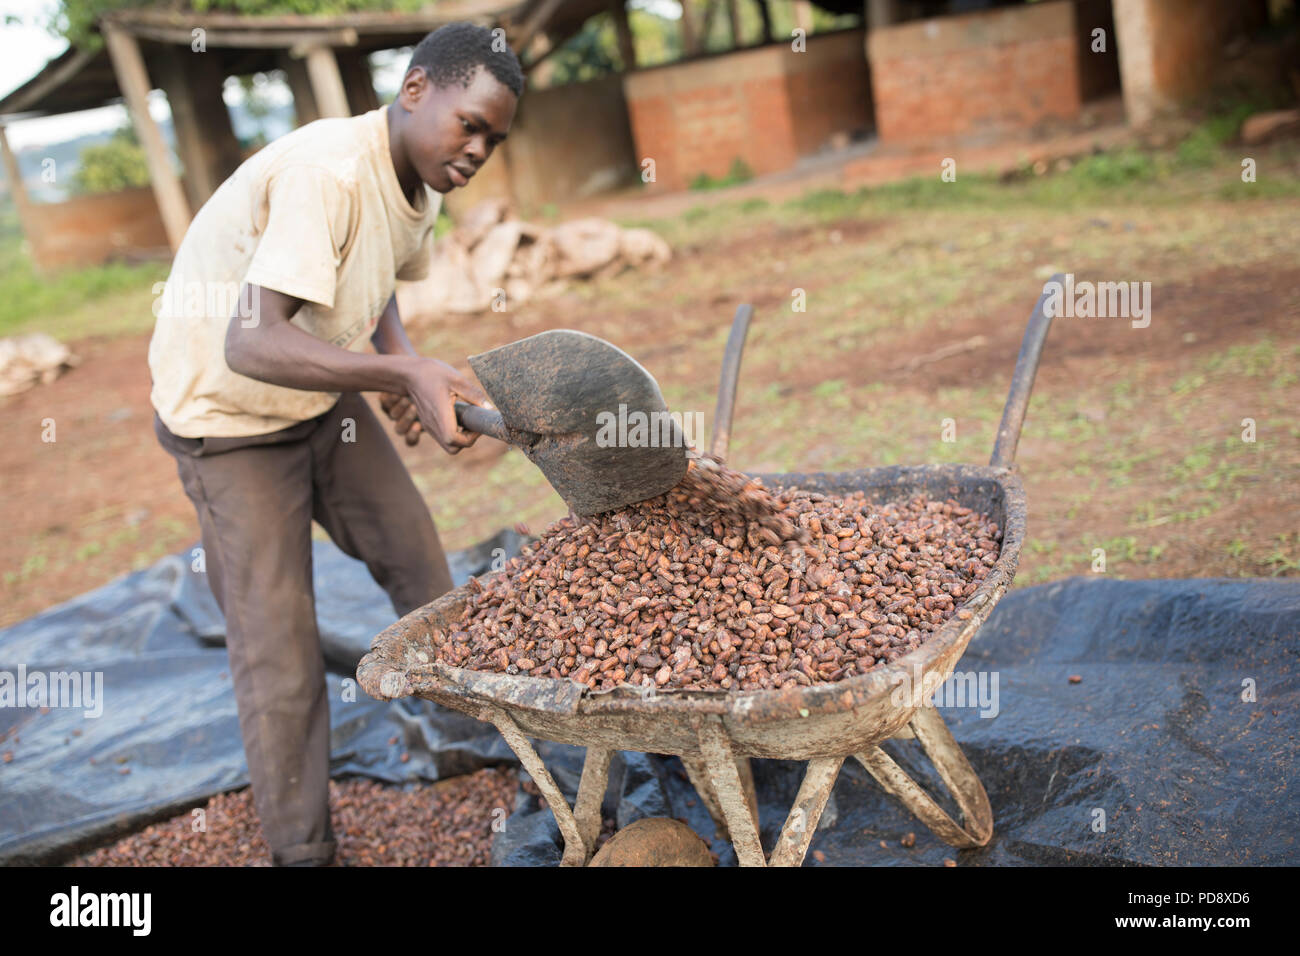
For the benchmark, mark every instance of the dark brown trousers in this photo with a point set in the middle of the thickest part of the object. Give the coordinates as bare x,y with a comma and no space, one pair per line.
256,498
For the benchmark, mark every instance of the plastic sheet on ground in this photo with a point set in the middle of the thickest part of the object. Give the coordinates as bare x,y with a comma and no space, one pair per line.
168,736
1158,755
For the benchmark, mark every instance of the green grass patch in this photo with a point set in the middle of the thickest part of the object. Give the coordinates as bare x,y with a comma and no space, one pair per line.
70,304
739,172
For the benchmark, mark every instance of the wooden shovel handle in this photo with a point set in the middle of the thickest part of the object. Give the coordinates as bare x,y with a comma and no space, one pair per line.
485,421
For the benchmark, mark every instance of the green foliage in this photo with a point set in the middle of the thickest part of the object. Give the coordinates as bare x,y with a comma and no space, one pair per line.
1273,187
75,19
826,201
1225,123
114,297
1203,147
443,224
590,53
256,102
1115,169
1199,150
738,173
657,40
113,165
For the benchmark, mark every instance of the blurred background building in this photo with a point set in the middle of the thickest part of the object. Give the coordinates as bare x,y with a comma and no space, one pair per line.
653,95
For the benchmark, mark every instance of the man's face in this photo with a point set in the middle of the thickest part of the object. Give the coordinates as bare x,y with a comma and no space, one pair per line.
452,130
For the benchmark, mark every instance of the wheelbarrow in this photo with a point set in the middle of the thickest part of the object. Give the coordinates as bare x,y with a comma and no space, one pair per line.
716,732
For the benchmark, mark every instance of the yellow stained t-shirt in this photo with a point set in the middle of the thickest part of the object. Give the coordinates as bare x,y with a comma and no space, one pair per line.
317,214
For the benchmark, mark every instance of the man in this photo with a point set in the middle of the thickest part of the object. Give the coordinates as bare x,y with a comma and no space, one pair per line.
261,409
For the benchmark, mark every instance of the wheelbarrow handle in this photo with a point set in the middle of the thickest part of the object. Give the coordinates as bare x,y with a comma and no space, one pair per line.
485,421
1022,380
728,380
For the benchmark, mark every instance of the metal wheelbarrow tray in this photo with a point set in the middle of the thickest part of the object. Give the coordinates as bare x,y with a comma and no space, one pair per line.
715,732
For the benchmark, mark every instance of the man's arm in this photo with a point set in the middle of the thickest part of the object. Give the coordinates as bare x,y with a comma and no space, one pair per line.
275,351
389,338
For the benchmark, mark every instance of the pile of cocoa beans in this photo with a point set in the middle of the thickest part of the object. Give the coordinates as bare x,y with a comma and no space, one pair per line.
721,584
450,823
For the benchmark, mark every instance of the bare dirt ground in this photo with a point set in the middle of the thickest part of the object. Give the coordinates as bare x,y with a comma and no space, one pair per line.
1166,451
1134,441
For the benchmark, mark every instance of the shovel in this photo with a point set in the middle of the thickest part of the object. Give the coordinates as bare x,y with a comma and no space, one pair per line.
575,405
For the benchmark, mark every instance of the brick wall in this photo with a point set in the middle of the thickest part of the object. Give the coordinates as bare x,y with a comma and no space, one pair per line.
830,89
90,230
567,142
976,74
766,106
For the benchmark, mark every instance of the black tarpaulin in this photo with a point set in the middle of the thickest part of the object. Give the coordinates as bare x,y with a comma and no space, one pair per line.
1158,755
168,735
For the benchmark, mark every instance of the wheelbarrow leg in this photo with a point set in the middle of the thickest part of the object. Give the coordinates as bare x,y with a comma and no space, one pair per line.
955,770
591,794
698,771
801,824
576,850
739,812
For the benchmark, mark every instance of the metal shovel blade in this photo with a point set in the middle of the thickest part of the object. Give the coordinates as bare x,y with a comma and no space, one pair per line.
573,404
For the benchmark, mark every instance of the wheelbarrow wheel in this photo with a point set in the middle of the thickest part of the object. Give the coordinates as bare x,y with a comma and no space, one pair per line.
654,841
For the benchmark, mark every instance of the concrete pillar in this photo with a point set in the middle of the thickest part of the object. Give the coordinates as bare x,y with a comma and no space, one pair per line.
327,82
1168,48
1136,48
133,80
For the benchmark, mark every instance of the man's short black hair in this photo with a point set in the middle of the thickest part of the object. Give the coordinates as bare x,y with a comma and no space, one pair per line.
453,54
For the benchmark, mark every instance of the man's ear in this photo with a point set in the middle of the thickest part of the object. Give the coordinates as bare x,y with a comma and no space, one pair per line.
414,87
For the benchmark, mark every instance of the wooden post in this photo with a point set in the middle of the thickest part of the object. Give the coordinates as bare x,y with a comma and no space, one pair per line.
205,139
881,13
733,15
766,15
22,202
690,37
705,23
626,45
209,79
803,16
539,68
133,80
174,79
358,81
304,100
536,24
327,82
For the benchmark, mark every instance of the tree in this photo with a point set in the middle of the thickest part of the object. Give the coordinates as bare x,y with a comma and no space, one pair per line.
116,164
75,19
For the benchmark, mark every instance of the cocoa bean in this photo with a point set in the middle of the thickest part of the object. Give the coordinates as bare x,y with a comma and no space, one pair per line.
808,588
